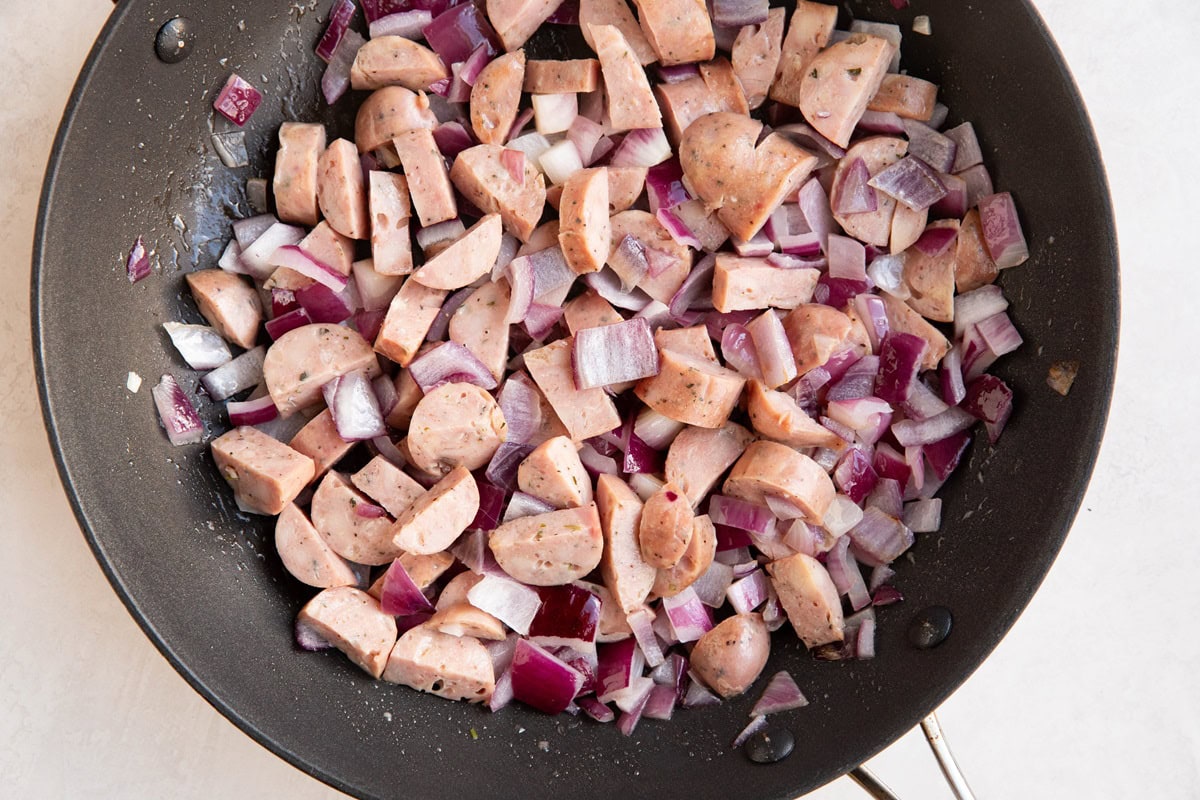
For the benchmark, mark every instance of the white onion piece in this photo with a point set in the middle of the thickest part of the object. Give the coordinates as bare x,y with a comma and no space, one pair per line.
201,346
645,485
842,515
614,354
512,603
256,257
655,429
177,413
237,375
554,113
354,407
450,362
375,290
560,161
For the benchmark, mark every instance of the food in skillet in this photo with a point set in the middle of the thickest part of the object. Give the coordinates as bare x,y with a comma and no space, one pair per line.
681,366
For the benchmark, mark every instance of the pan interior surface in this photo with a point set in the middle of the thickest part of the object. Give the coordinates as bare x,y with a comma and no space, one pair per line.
133,158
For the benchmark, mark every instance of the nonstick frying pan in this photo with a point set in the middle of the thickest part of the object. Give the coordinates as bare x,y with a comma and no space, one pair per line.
133,157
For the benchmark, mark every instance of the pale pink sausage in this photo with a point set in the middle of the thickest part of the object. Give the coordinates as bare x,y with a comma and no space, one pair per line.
692,390
554,473
903,319
585,413
625,186
466,260
907,227
720,78
550,549
391,244
589,310
698,457
810,599
815,332
617,14
752,283
516,20
338,513
480,174
341,192
351,620
387,485
930,279
478,324
320,441
396,61
428,181
840,81
230,305
562,77
464,619
496,96
695,561
329,247
809,32
666,527
408,394
730,657
584,229
409,317
906,96
973,264
614,626
776,416
778,470
306,358
455,424
630,102
455,591
755,56
265,473
389,112
626,574
453,667
716,88
295,182
651,235
425,569
437,517
694,341
680,31
306,555
877,153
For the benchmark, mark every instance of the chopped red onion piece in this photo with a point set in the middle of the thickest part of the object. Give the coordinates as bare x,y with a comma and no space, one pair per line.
339,22
954,204
595,709
1000,334
201,346
644,147
525,505
355,408
737,13
607,284
879,576
759,246
854,475
979,184
294,258
541,319
741,514
178,415
776,362
886,595
322,304
677,73
689,617
910,432
629,261
542,680
655,429
231,258
618,664
252,412
847,258
923,516
977,305
598,464
900,356
502,469
641,622
757,724
137,265
977,356
968,153
990,399
698,284
238,100
944,456
452,138
560,162
633,705
865,642
911,181
287,321
836,292
951,377
856,196
885,122
698,695
661,703
491,506
888,497
710,587
923,402
664,184
815,205
679,231
239,374
569,616
809,138
409,24
521,283
737,347
585,134
400,595
456,32
808,244
780,694
857,381
749,592
880,538
512,603
846,575
935,241
555,113
931,147
247,231
614,354
450,362
1002,230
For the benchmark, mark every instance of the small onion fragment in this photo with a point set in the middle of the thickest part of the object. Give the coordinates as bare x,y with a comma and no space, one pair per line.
201,346
239,374
177,413
137,265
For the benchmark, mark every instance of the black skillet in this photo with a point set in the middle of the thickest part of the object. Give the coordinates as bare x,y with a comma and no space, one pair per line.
133,158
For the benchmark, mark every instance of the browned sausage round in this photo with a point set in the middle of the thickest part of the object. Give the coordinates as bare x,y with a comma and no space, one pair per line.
389,112
666,527
730,656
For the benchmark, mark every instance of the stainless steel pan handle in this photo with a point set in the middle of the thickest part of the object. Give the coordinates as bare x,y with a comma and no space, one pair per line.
941,751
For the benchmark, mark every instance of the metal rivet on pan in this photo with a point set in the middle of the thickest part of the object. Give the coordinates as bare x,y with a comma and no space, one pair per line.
175,40
930,627
767,747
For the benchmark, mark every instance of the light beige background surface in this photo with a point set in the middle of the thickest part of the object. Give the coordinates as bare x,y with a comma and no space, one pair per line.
1094,694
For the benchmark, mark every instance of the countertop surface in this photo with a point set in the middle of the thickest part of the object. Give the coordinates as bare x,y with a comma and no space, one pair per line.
1093,694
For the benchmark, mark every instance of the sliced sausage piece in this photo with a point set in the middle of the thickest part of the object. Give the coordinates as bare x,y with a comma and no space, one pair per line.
698,457
478,324
731,656
426,569
973,264
341,192
626,574
562,77
812,25
554,473
680,31
387,485
495,97
903,319
776,416
396,61
625,186
755,56
907,227
453,667
425,168
351,620
408,394
810,599
614,626
906,96
547,423
437,517
666,527
716,88
306,358
455,591
585,413
630,102
840,81
337,513
464,619
306,555
692,390
389,112
409,317
319,440
329,247
590,310
776,469
752,283
674,259
480,174
878,153
230,305
694,341
467,260
696,560
815,332
617,14
295,183
391,244
930,279
584,229
516,20
550,549
723,82
455,424
264,472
